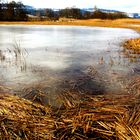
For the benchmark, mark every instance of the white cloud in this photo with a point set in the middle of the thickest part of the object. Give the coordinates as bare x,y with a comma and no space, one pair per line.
124,5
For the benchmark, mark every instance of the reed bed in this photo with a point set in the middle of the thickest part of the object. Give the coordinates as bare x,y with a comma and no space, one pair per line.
21,119
86,117
133,44
14,56
132,49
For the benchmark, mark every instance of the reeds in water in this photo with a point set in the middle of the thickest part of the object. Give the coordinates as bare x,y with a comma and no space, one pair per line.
134,45
14,56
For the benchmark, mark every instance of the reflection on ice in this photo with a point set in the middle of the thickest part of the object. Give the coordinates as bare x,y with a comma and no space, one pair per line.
65,52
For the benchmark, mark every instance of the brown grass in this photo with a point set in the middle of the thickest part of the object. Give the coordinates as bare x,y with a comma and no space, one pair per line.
86,117
21,119
124,23
133,44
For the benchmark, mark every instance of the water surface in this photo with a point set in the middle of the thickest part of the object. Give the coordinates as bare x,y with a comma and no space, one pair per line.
88,59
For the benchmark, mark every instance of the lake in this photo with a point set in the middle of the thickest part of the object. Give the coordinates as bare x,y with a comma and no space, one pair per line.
86,59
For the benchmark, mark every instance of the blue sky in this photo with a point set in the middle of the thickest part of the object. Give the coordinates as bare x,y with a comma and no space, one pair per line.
123,5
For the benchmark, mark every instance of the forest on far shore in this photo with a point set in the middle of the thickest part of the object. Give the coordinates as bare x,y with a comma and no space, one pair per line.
17,11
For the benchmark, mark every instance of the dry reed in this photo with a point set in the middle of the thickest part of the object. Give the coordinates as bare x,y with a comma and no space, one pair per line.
133,44
85,117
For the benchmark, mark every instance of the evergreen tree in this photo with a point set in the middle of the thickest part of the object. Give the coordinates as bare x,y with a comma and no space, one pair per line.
12,11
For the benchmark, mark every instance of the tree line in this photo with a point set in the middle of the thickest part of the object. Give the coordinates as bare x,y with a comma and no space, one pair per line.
77,13
12,11
17,11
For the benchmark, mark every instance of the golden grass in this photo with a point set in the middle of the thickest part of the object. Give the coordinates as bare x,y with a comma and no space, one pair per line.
90,117
21,119
132,49
133,44
91,22
125,23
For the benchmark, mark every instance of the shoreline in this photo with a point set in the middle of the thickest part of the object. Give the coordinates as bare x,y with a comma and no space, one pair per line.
133,24
118,23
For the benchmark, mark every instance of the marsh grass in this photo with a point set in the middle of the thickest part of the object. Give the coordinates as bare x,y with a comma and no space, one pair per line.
132,49
91,22
133,45
80,116
14,56
21,119
86,117
20,54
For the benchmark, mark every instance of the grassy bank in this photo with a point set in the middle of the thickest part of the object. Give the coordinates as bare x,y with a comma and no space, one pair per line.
91,117
122,23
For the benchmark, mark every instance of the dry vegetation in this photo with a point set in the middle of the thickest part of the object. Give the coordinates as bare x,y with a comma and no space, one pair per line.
124,23
132,49
21,119
85,117
134,45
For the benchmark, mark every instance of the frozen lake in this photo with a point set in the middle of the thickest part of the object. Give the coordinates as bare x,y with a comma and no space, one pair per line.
59,55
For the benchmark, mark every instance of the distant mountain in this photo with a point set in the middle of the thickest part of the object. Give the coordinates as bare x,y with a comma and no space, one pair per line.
109,11
30,9
103,10
133,15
